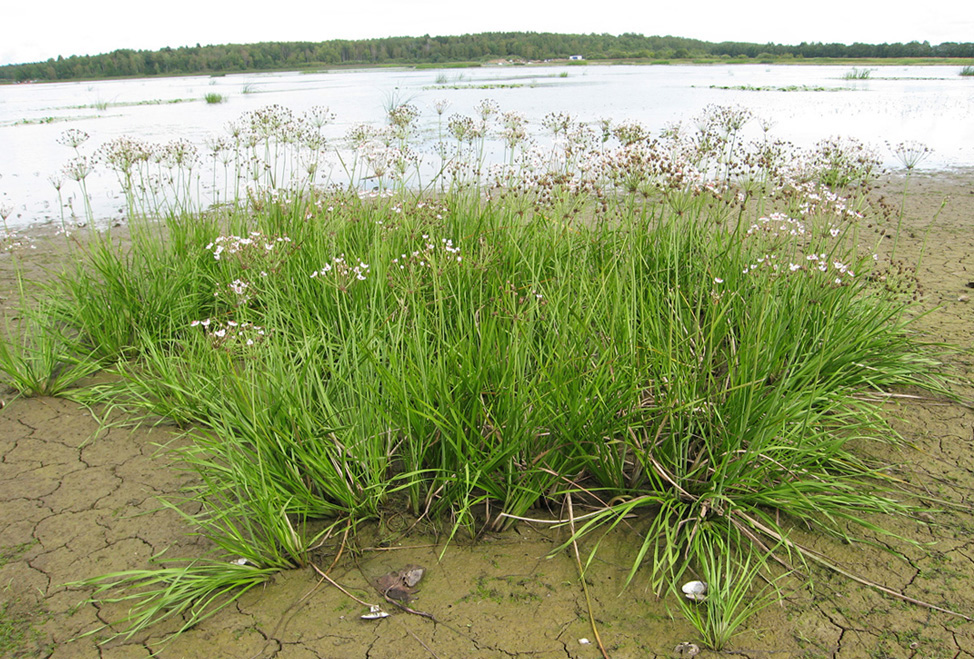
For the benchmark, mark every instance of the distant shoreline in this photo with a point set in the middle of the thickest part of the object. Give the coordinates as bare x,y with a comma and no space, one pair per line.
820,61
472,50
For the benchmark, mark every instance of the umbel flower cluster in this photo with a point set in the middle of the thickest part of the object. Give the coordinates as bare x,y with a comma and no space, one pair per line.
272,151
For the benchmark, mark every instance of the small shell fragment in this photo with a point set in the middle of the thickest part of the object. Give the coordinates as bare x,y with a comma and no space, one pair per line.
411,575
695,590
686,649
584,641
375,613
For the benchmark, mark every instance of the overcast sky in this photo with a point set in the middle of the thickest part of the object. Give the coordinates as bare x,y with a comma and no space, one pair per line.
35,31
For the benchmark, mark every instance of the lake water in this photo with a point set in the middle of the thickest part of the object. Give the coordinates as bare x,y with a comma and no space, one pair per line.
931,105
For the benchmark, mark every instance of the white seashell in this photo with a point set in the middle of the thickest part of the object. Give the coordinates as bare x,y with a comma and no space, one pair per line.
584,641
695,590
375,613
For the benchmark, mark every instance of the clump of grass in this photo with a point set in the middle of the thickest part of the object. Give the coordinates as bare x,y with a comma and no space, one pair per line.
192,592
967,71
857,74
214,98
38,358
613,333
731,582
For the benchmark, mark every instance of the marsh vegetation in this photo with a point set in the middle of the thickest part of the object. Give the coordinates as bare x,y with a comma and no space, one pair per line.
688,335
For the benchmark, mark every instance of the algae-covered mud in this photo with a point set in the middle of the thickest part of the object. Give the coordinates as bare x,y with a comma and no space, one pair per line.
79,498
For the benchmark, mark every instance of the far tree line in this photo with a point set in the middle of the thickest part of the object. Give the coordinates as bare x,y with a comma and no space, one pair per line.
471,48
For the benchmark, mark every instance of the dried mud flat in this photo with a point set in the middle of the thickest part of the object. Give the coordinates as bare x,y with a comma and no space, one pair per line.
78,500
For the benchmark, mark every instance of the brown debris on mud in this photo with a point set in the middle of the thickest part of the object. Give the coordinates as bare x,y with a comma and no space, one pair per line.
78,500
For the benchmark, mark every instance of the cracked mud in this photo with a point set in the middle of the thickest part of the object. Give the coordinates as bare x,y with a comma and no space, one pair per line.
78,500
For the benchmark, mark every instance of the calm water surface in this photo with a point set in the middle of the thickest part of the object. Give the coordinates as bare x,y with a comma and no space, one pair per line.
932,105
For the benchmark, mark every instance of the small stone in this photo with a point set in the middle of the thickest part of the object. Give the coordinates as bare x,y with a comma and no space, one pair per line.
584,641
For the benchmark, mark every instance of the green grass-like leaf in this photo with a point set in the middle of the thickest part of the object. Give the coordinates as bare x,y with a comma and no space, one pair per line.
677,359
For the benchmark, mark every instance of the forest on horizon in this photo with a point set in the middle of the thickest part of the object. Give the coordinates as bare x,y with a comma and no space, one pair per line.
469,49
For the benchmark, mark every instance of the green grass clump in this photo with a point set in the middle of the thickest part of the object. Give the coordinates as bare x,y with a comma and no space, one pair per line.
967,70
190,593
858,74
214,98
640,340
38,356
729,601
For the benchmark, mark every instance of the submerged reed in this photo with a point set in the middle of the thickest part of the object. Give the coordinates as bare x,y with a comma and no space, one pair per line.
679,328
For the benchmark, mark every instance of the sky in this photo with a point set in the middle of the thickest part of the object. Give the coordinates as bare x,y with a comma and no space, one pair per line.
35,31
